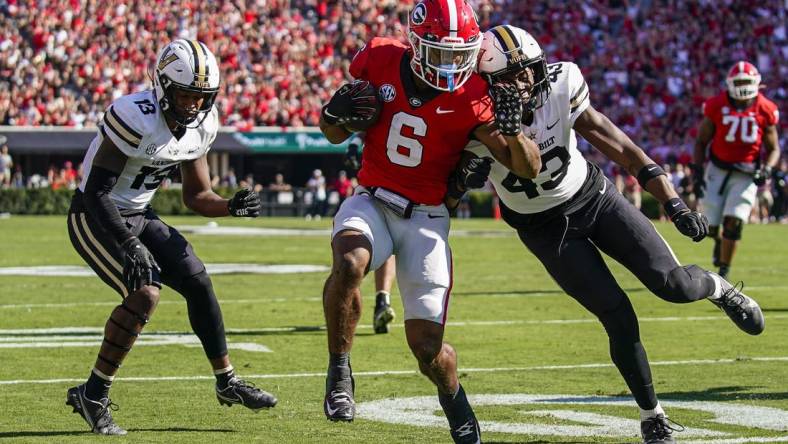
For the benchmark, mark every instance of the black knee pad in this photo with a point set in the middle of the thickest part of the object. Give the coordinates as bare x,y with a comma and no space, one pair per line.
732,228
205,315
686,284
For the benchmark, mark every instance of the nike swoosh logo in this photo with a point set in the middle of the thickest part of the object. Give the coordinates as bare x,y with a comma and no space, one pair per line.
675,204
435,216
443,111
549,127
604,187
330,410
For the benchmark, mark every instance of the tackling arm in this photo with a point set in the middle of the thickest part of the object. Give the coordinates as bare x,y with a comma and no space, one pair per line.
618,147
518,154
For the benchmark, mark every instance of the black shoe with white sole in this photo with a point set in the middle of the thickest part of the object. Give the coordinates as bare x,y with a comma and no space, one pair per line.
659,430
742,309
95,413
338,404
246,394
383,315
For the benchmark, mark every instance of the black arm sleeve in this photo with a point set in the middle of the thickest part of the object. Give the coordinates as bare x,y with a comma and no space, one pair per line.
100,206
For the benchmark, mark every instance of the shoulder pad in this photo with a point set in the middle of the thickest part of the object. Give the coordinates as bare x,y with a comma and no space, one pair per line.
127,120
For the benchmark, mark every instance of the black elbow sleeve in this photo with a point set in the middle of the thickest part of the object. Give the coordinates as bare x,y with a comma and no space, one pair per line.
99,205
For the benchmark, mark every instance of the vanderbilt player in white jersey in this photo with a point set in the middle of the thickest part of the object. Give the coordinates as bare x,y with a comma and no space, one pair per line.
570,212
141,140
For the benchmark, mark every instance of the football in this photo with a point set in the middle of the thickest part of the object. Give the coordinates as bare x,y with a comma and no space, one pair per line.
366,109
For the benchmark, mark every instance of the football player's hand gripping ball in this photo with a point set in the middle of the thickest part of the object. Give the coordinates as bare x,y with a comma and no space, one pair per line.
138,265
355,105
245,203
508,108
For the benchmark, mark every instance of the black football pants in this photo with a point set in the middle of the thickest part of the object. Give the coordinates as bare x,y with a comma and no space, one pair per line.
569,247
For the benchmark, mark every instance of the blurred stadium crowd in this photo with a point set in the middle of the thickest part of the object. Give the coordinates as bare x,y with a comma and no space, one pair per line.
649,63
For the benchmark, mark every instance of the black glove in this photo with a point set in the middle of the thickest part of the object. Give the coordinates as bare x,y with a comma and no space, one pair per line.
245,203
138,265
353,157
474,172
761,175
689,223
698,182
508,108
355,102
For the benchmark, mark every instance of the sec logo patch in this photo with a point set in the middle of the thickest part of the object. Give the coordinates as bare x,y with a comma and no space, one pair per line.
387,92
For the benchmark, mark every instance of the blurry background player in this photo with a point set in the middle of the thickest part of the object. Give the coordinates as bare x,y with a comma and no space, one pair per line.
736,122
142,139
419,107
385,274
570,212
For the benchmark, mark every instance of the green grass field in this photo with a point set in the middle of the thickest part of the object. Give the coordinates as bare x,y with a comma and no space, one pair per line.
515,332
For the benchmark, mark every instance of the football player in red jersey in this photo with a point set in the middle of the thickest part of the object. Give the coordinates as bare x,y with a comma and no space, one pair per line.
736,122
432,104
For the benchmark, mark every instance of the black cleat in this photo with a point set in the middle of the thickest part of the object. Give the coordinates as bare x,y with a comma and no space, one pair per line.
383,316
245,393
659,430
742,309
95,413
338,404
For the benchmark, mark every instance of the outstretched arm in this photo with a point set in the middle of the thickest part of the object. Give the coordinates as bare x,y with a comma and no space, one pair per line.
598,130
618,147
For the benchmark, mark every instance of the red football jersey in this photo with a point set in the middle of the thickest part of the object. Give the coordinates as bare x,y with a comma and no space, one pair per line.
416,143
738,133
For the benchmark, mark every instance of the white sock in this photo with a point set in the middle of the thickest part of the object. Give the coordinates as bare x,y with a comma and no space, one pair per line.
646,414
102,375
717,286
222,371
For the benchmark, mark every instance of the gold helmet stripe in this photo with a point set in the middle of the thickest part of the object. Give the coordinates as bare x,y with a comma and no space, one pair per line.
199,61
507,40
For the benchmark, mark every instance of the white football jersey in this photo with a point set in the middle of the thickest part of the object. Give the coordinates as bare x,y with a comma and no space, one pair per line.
136,125
564,168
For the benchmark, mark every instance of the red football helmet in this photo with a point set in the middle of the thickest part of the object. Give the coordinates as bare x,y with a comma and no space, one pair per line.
743,81
445,38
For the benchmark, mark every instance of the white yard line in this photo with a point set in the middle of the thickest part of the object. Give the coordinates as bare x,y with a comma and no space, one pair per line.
261,330
112,303
404,372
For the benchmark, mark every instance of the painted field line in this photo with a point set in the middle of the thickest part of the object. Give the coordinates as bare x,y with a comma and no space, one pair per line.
311,299
404,372
309,328
116,302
